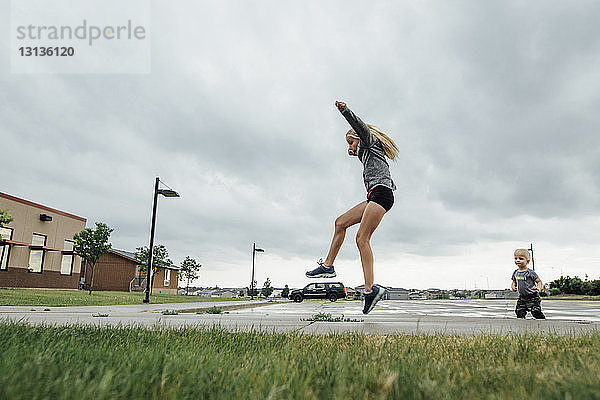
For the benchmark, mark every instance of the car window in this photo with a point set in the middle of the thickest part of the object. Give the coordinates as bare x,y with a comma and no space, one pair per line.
311,286
319,285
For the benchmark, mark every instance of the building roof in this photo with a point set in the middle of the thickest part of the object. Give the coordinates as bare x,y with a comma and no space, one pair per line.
131,257
31,203
125,254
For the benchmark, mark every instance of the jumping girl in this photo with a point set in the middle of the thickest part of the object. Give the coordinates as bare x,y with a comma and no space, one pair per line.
372,147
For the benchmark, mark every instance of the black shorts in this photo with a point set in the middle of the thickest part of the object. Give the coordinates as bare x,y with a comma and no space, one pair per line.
381,195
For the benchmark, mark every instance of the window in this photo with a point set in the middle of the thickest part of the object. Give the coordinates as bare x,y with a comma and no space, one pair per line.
319,286
6,234
66,264
36,256
167,277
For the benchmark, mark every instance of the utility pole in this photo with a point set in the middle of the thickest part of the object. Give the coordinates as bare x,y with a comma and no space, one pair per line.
532,260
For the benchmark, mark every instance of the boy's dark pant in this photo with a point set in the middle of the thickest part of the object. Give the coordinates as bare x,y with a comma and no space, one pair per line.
532,304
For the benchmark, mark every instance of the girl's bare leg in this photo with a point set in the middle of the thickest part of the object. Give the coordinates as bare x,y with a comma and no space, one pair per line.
372,215
344,221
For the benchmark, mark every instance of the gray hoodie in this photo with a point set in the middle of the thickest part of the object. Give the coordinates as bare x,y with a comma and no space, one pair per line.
376,170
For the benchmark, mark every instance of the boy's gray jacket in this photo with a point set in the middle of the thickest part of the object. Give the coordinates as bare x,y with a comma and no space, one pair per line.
376,170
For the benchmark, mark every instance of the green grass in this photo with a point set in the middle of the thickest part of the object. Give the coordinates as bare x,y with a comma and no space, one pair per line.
61,298
322,317
79,362
572,297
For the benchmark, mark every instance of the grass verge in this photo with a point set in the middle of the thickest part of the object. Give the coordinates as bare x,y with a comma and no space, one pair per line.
572,297
61,298
82,362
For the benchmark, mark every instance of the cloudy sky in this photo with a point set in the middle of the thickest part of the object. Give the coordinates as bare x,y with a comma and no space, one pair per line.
491,104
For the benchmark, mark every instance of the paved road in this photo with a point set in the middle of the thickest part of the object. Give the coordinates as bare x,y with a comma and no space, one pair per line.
465,317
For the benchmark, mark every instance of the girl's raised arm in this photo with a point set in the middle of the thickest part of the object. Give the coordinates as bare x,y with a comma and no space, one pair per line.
361,129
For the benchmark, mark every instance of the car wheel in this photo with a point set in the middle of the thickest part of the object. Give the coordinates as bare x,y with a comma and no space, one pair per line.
332,297
298,298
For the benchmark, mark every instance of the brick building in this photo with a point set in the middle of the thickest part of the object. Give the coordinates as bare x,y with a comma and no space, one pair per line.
36,248
115,270
119,270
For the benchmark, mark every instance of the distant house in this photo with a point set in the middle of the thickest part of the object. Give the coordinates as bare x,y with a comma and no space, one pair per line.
207,293
501,294
119,270
433,293
397,294
358,292
36,248
417,295
352,294
392,293
227,294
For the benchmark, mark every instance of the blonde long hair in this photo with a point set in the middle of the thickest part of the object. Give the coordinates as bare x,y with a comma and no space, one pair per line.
389,147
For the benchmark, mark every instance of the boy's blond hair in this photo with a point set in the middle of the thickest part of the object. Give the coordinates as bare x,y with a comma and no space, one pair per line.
523,252
389,147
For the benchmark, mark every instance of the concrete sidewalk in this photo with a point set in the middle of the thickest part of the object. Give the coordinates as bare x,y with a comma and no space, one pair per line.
131,309
395,318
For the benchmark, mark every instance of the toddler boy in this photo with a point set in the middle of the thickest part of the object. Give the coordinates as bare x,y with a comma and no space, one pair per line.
529,284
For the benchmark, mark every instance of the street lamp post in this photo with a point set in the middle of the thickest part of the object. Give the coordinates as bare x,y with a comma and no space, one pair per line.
532,260
166,193
487,278
254,250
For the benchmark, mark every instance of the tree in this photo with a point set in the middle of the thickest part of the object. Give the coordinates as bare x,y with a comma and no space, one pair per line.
267,289
252,292
285,292
554,292
575,285
5,217
594,289
189,271
91,244
160,259
568,285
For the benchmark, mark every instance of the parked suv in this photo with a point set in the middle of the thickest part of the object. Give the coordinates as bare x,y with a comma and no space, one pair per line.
327,290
